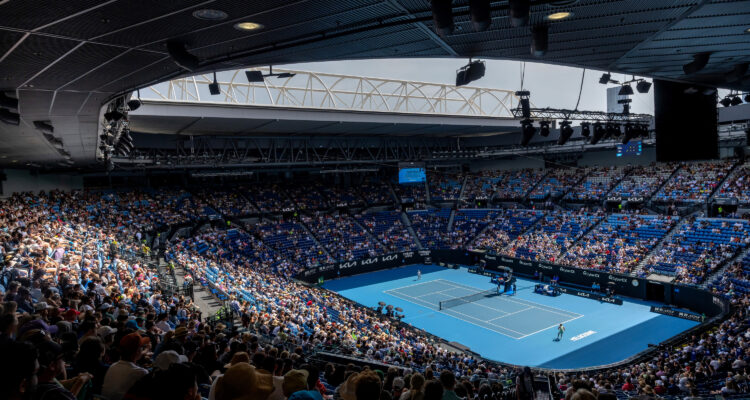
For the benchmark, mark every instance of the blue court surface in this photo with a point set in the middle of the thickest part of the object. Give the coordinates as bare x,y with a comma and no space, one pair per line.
516,329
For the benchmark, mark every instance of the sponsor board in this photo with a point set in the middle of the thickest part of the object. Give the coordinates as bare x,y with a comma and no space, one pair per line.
590,295
565,270
676,313
485,273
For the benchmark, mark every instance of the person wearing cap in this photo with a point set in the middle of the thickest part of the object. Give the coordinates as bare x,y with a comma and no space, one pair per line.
243,382
123,374
52,365
294,381
165,359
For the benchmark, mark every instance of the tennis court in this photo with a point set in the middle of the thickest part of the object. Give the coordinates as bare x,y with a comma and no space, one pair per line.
516,318
518,329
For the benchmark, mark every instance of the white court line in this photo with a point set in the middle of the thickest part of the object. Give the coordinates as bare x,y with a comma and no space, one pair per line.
441,291
453,287
551,326
430,305
421,283
532,304
516,312
447,298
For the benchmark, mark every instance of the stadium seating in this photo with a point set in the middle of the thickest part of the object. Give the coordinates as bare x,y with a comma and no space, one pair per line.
620,242
505,226
386,226
694,183
291,240
699,248
643,181
342,237
102,238
444,187
552,235
598,182
555,184
431,227
514,185
737,186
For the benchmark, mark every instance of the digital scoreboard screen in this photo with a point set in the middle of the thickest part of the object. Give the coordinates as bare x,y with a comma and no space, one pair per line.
411,175
632,148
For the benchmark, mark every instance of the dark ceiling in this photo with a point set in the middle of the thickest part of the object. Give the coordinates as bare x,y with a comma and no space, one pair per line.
65,59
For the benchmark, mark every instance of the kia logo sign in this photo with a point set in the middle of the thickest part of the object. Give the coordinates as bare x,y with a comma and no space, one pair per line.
347,265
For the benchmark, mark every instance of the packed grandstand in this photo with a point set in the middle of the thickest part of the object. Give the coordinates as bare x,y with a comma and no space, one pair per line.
104,280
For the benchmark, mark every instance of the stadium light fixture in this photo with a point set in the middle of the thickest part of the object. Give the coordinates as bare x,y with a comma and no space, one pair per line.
544,128
585,129
726,102
213,87
254,76
613,130
527,131
539,40
643,86
207,14
248,26
113,115
605,78
625,90
442,16
134,104
599,132
631,132
736,100
747,98
519,12
559,16
480,14
566,131
699,62
471,72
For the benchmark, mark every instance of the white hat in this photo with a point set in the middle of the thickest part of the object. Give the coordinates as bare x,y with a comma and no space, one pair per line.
167,358
105,331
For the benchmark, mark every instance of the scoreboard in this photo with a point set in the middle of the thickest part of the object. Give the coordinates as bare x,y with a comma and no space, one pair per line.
632,148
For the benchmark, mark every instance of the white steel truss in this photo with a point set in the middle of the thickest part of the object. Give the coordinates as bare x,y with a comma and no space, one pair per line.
337,92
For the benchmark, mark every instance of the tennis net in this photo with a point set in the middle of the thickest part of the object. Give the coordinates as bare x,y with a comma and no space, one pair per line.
467,299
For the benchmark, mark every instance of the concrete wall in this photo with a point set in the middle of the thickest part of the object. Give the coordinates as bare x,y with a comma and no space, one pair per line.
21,180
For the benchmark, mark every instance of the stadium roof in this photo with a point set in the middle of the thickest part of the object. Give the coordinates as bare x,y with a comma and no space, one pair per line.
65,60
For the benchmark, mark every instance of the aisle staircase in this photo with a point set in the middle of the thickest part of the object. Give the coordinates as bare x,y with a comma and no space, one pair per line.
665,239
407,223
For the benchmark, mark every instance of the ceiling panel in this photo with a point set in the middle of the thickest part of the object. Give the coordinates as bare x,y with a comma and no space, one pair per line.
90,51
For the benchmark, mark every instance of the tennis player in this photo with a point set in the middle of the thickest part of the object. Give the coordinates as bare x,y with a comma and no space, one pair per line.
560,331
419,274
